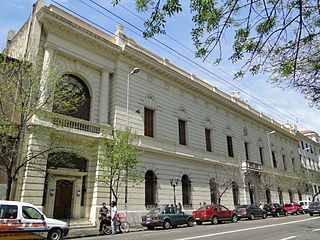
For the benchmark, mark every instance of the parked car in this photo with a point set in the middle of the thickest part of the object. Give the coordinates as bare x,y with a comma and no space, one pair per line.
214,213
166,217
314,208
250,211
293,208
26,220
275,209
305,205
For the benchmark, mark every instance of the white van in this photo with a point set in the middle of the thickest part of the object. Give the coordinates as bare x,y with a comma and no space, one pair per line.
19,220
305,205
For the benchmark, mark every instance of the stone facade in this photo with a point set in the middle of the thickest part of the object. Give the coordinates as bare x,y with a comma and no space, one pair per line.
103,63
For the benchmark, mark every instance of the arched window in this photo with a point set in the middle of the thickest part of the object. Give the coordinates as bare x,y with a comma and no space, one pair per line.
150,189
268,195
235,192
251,193
83,110
186,191
214,191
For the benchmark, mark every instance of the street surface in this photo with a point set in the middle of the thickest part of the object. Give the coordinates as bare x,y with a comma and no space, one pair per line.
301,227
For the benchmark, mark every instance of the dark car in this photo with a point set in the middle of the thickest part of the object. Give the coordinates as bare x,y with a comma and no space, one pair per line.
275,209
293,208
314,208
166,217
214,213
250,211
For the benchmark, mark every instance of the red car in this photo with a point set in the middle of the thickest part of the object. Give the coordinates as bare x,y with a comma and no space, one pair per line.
293,208
214,213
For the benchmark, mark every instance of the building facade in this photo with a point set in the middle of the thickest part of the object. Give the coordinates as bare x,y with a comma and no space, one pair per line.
217,147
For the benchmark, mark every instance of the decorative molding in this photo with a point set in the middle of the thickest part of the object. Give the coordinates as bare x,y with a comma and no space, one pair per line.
228,131
182,114
150,102
207,123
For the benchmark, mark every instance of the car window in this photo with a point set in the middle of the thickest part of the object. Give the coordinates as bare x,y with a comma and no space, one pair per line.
8,211
155,211
224,208
216,208
243,206
178,210
288,205
30,213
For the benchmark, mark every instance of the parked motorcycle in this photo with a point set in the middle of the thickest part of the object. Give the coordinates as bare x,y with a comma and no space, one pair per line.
122,224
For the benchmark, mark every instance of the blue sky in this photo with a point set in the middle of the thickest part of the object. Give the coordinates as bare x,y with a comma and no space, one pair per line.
281,104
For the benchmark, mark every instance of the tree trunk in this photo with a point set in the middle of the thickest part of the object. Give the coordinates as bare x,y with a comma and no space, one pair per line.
9,186
314,196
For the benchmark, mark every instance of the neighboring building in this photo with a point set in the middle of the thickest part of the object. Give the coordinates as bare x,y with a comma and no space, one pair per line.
309,150
187,129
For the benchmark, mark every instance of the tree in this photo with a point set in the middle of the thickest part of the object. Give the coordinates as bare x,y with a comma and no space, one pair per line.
26,90
118,161
278,37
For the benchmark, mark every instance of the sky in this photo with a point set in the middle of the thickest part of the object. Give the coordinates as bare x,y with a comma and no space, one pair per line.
284,105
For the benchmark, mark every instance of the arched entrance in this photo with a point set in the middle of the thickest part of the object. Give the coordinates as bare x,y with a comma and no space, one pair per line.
65,186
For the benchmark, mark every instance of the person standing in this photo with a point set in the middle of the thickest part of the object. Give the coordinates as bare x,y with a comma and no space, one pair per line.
114,214
103,213
180,206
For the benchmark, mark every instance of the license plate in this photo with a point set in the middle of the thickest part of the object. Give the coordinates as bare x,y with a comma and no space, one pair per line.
148,219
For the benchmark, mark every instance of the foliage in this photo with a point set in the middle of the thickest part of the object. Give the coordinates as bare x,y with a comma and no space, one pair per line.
281,37
25,91
118,161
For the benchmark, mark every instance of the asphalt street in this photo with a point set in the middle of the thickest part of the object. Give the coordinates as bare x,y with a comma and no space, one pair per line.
302,227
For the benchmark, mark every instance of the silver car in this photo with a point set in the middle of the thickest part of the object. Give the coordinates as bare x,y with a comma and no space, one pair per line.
314,208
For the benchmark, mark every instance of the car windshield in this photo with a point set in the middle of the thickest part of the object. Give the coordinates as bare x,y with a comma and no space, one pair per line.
288,205
206,207
155,211
315,203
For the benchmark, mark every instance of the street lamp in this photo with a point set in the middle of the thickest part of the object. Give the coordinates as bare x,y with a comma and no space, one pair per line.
174,183
135,70
269,133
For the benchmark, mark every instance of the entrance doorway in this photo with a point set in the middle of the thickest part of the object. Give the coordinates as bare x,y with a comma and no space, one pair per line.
63,199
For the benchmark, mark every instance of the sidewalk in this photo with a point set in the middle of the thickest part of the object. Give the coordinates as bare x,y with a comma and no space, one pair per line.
93,231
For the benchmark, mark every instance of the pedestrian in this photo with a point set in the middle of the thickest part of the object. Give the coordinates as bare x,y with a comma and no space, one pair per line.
200,204
204,203
103,213
261,206
114,214
179,206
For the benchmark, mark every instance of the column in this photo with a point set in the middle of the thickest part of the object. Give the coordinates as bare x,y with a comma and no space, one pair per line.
104,98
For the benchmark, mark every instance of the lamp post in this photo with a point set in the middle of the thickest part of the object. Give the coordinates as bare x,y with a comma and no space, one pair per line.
174,183
135,70
269,133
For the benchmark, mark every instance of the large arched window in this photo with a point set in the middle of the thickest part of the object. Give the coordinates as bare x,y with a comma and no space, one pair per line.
83,110
186,191
150,189
235,192
214,191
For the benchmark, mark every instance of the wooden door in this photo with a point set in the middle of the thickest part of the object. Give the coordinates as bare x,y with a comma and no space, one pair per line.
62,203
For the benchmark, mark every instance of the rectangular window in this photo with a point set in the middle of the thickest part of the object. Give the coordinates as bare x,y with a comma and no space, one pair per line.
230,147
246,148
284,162
148,122
302,145
274,161
208,140
182,132
261,154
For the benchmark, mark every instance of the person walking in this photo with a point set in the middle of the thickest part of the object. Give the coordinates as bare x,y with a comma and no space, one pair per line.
103,213
114,216
179,206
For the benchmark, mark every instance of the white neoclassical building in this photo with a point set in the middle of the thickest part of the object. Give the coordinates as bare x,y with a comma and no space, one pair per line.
213,143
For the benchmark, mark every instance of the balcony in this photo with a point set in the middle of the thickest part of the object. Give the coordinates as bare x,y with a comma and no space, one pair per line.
248,166
70,124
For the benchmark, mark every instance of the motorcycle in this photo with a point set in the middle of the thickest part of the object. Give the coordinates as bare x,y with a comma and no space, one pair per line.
122,224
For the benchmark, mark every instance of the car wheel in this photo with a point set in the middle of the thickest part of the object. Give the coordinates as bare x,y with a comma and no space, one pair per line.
303,212
166,224
198,222
264,216
251,216
124,227
311,214
55,234
214,220
190,222
234,219
150,227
